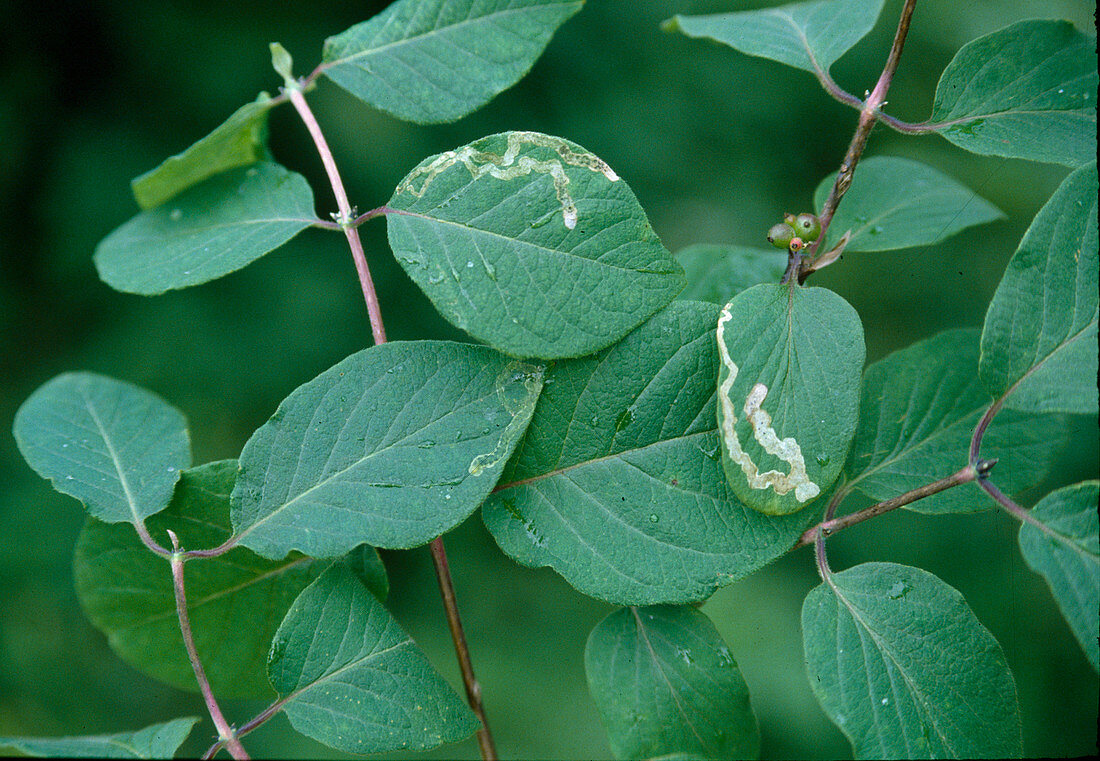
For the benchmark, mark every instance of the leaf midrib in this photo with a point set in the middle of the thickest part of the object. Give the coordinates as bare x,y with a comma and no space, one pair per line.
602,458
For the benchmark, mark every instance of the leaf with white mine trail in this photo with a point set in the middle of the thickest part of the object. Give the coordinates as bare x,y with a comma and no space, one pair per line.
531,244
788,393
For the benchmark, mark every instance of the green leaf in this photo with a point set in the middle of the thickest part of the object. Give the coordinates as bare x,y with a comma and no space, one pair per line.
392,446
898,203
115,447
431,61
718,273
240,140
1064,546
799,351
902,666
210,230
617,486
1027,91
918,410
235,600
156,741
1039,340
665,682
810,36
353,680
531,244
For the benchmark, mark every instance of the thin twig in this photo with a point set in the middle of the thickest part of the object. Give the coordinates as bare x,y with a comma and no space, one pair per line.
345,215
473,688
831,525
225,733
980,428
868,115
348,221
259,719
148,541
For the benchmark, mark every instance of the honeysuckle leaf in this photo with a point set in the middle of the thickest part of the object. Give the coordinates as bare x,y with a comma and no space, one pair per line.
617,484
235,601
788,393
115,447
216,227
239,140
349,677
1026,91
899,203
717,273
391,447
902,666
810,35
1039,339
918,410
432,61
665,683
531,244
155,741
1063,544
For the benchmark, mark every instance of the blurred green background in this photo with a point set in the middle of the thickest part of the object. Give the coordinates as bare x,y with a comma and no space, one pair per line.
715,145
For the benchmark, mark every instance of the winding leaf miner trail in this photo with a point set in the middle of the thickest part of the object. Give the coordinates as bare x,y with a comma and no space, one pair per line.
512,165
786,449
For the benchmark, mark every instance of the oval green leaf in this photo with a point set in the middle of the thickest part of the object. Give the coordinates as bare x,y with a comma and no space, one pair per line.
236,600
788,393
899,203
918,410
1039,339
902,666
115,447
349,677
717,273
1027,91
432,61
391,447
810,36
665,683
240,140
156,741
531,244
617,485
210,230
1063,544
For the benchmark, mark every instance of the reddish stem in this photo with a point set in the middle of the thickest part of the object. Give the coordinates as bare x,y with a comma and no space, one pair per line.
345,216
349,222
473,688
868,115
226,734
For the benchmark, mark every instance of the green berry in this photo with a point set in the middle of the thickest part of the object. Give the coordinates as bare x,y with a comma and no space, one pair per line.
808,227
780,235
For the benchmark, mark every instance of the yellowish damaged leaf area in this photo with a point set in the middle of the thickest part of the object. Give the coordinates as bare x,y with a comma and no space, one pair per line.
519,408
786,449
512,165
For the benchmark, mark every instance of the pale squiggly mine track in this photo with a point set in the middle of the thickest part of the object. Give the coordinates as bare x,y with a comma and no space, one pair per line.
786,449
512,165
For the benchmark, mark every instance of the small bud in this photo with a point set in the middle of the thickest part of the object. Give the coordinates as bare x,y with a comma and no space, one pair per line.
808,227
282,63
780,235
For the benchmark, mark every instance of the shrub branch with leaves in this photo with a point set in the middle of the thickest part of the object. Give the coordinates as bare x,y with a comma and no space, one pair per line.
648,448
